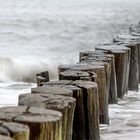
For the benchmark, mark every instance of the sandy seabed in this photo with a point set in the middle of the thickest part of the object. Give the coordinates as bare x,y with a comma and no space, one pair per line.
124,119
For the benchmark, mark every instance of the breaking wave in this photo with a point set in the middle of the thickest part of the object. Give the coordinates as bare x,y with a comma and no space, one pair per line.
25,68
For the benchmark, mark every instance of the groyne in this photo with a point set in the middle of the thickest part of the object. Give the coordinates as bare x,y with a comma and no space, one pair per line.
73,107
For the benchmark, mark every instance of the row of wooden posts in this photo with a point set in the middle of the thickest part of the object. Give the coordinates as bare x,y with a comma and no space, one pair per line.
73,107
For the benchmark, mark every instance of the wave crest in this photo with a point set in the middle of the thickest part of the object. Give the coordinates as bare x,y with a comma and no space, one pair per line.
24,68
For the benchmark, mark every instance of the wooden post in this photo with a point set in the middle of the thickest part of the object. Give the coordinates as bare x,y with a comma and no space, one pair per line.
73,75
86,118
128,55
52,90
55,90
101,81
96,57
42,122
122,64
135,30
131,42
107,70
40,80
120,61
42,77
15,130
5,138
91,108
77,75
64,104
79,115
100,56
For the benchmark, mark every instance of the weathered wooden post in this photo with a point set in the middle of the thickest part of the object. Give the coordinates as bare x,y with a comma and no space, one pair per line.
107,70
100,56
79,115
132,42
128,55
94,61
86,118
77,75
135,31
58,90
52,90
91,108
44,124
42,78
122,64
5,138
15,130
101,81
64,104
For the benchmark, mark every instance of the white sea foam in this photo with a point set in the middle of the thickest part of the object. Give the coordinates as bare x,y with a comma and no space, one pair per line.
124,119
9,92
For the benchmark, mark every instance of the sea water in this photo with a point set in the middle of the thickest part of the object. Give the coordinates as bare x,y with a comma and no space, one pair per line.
39,35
